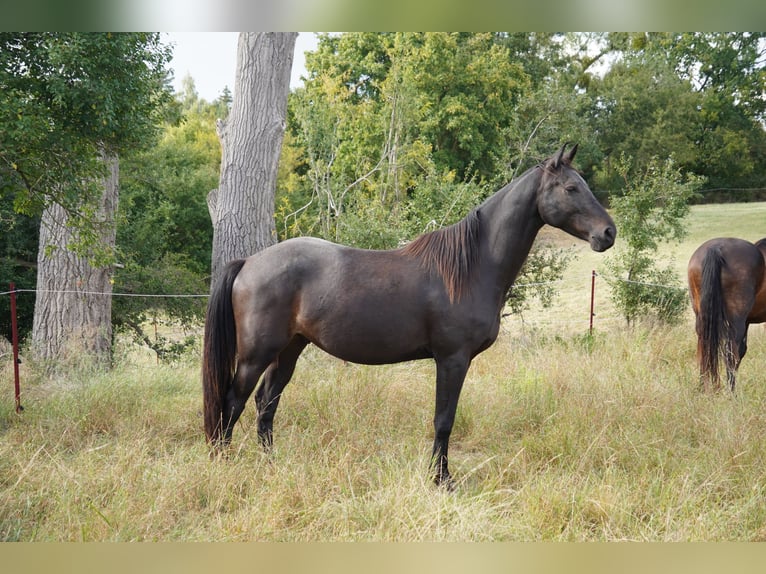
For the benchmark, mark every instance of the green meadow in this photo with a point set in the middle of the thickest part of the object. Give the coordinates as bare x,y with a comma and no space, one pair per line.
560,436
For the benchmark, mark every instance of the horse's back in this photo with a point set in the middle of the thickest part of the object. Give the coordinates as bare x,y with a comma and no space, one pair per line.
739,255
364,306
273,274
742,274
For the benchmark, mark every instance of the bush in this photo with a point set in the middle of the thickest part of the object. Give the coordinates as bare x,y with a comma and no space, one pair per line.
651,210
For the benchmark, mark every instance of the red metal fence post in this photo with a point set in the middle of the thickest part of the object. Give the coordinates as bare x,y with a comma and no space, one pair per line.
15,341
592,297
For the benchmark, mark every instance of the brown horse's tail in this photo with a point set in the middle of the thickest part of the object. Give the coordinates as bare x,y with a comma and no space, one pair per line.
219,351
713,323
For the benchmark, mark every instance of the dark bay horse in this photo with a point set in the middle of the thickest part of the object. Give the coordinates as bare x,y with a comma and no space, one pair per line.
727,284
438,297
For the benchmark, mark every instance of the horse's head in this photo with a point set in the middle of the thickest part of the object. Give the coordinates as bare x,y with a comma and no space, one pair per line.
565,201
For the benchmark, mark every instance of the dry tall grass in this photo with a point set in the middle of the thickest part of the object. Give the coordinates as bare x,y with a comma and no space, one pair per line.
558,437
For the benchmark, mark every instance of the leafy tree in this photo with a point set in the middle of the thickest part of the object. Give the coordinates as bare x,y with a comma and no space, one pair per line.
64,99
540,53
642,109
74,102
18,265
164,188
467,89
382,113
727,64
165,234
650,211
697,95
727,70
360,61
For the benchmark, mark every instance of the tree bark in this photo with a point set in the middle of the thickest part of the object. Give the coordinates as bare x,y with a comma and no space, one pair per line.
73,308
242,208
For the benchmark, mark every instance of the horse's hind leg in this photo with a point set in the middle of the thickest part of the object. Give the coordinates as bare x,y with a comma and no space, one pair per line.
736,352
245,379
278,374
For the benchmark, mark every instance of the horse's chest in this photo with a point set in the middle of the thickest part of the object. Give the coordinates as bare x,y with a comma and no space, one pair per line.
473,333
491,331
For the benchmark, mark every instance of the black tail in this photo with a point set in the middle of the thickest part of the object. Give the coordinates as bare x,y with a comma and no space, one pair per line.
219,351
713,325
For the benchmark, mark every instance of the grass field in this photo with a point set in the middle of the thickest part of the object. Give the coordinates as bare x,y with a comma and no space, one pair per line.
558,437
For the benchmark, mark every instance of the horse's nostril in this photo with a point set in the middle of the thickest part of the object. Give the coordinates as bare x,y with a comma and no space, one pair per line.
609,233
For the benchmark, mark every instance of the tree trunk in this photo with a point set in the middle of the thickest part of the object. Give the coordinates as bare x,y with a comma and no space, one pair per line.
73,309
242,208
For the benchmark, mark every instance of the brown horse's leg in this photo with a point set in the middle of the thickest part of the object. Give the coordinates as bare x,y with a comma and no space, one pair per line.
269,392
736,352
245,379
450,374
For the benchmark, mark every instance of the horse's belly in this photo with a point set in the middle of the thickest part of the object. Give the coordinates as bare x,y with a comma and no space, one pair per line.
375,335
376,355
372,346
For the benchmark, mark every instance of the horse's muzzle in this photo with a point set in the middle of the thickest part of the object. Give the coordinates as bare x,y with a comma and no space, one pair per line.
603,240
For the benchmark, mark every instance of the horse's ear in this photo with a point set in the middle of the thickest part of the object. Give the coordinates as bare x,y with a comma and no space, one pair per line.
558,156
571,154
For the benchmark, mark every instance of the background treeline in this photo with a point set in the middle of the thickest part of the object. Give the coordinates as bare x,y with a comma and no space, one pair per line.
395,134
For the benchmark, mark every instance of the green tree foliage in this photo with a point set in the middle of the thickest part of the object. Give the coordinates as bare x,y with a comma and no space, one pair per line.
728,70
164,189
384,114
165,235
696,95
650,211
64,98
467,89
643,109
18,256
381,113
728,65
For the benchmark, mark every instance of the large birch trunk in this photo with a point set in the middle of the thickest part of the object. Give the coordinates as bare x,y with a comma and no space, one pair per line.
242,208
73,308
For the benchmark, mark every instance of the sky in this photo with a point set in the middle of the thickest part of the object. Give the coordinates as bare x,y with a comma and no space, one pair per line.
210,59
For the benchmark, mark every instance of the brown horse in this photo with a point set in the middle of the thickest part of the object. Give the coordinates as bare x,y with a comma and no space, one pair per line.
727,284
438,297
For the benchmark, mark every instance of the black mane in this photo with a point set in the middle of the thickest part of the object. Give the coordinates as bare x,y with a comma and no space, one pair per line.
452,252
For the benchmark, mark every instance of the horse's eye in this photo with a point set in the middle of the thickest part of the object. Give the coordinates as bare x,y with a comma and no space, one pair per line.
571,188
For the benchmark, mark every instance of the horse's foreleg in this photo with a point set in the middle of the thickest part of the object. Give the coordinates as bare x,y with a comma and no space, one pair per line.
450,374
275,380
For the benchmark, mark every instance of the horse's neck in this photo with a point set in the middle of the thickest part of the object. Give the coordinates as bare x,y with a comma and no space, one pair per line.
511,222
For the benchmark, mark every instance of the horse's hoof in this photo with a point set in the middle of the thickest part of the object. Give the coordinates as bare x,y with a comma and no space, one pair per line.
446,482
219,452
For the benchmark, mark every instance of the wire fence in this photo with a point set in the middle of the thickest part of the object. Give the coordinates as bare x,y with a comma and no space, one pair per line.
581,283
111,294
580,316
